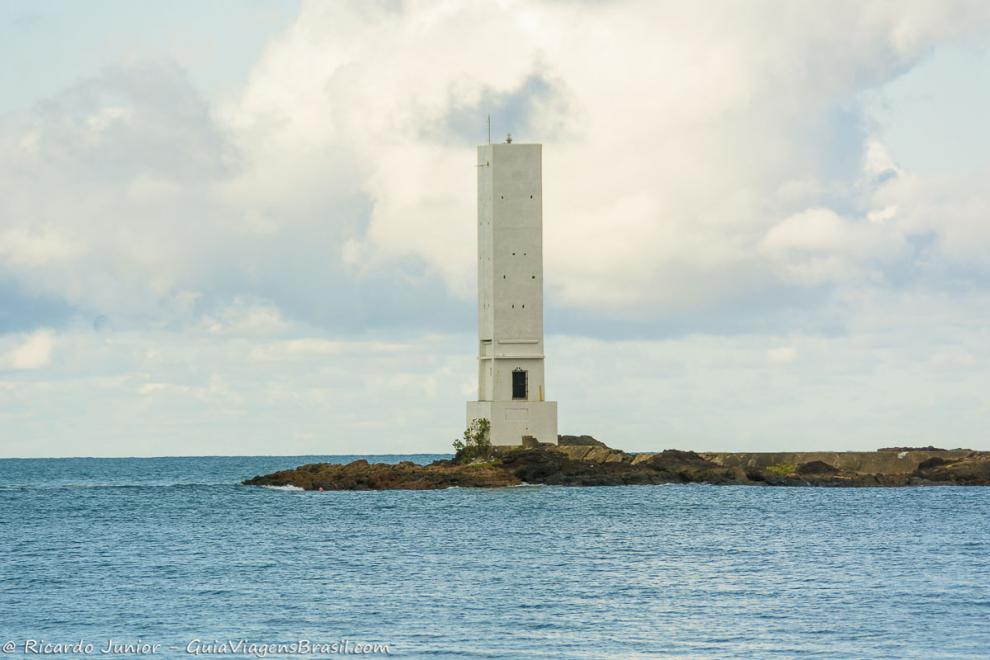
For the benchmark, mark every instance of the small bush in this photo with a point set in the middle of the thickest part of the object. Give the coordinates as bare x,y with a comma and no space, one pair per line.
782,469
476,444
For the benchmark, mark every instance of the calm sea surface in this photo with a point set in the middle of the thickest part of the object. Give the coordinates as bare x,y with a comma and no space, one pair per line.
171,550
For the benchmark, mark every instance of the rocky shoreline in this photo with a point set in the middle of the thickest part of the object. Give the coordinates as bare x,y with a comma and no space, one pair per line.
584,461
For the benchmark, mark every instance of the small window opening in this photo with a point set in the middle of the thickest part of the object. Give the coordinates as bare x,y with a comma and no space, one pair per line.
519,384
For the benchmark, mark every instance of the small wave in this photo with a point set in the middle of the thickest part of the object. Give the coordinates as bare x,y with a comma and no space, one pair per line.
289,488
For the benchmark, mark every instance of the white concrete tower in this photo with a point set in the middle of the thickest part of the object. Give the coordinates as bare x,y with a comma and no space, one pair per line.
511,386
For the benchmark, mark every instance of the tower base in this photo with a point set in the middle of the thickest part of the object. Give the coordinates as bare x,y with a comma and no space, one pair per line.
511,420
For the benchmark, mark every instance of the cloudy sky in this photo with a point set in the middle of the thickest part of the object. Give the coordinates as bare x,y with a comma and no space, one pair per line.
249,227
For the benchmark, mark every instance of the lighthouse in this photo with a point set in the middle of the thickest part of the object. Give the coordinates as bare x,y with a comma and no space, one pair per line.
511,378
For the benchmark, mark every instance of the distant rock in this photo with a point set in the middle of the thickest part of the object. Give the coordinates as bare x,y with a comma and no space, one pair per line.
361,475
933,462
585,461
578,441
973,470
816,467
900,449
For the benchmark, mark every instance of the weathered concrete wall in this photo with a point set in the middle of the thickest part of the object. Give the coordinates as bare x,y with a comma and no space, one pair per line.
511,420
510,295
865,462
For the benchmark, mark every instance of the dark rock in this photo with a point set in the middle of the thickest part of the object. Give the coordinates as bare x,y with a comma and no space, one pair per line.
932,462
816,467
970,471
900,449
755,474
588,462
579,441
360,475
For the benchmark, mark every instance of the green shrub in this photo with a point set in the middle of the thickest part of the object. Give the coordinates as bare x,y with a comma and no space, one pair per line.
782,469
476,443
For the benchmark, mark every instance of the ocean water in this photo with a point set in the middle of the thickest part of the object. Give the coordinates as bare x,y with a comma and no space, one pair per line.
173,550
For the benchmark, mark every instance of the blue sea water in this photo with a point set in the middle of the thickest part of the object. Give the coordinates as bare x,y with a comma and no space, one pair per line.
171,550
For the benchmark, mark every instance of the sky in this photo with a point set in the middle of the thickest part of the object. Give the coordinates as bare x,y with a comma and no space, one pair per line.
240,228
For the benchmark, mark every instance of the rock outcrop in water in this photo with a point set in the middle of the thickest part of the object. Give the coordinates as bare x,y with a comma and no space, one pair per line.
584,461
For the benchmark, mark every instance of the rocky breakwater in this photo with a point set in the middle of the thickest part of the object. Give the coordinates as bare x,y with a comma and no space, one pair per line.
584,461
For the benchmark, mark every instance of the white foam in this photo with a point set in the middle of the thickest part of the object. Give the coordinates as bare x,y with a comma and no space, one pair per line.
284,488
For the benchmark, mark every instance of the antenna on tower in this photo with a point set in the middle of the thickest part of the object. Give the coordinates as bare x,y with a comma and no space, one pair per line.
489,129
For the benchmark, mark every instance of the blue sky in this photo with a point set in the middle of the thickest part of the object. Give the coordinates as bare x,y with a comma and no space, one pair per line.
929,115
248,227
49,46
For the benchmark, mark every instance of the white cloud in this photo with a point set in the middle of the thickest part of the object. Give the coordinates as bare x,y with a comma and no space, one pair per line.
305,348
782,354
675,136
246,317
951,213
877,161
34,352
21,249
195,392
712,185
910,367
818,246
687,151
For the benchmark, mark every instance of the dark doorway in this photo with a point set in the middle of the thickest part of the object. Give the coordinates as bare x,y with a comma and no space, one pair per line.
519,384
